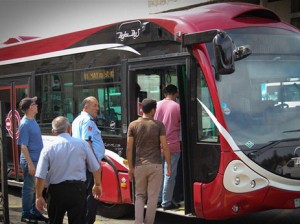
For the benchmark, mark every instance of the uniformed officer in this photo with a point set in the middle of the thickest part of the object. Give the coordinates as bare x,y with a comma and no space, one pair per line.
85,128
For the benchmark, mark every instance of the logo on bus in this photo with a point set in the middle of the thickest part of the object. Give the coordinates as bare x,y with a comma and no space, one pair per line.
131,29
134,34
9,124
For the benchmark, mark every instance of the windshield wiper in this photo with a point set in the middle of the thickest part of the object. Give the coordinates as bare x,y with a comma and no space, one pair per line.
296,130
285,140
269,145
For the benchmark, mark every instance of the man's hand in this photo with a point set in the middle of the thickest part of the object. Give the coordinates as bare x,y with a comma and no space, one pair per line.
31,169
40,204
97,191
131,173
169,171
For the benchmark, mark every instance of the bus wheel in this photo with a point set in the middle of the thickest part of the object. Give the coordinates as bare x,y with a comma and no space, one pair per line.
114,211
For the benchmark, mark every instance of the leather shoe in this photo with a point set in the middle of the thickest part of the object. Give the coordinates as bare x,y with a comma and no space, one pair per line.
171,206
158,205
28,220
41,218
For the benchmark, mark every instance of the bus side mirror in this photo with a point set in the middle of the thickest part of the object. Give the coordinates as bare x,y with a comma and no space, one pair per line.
226,53
223,48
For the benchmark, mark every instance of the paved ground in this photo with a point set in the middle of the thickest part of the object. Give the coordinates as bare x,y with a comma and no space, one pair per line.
15,217
276,216
15,211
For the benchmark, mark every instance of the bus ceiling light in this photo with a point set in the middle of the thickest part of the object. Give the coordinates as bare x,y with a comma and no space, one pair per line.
293,80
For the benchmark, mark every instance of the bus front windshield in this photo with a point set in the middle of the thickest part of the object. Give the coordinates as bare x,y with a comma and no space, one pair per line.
261,99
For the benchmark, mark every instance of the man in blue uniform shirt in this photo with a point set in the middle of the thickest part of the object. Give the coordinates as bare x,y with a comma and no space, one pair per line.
62,166
85,128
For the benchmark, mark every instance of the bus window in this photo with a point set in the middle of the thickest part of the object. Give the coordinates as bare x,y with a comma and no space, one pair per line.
109,97
152,81
55,93
110,107
149,85
206,128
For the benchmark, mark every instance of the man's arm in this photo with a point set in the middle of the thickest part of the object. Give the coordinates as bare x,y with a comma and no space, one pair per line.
97,188
167,154
129,154
91,146
31,167
40,203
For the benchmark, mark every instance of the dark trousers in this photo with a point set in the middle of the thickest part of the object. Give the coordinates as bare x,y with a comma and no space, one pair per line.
66,197
92,203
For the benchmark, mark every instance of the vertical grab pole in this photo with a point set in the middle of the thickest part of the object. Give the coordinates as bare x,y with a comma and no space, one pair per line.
14,129
3,157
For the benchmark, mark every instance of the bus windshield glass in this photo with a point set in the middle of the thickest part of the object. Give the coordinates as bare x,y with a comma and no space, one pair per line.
261,99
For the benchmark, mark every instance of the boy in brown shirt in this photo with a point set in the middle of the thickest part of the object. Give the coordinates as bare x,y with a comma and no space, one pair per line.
148,136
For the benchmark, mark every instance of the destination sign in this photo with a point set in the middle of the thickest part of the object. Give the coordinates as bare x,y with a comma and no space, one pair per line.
98,75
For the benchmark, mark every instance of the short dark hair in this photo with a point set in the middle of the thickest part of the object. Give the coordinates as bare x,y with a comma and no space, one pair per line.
148,105
170,89
26,102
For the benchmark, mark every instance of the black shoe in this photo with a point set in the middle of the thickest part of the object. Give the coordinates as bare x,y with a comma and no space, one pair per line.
171,206
158,204
176,204
29,220
40,218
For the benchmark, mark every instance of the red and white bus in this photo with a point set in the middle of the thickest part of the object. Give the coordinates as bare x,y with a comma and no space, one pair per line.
236,66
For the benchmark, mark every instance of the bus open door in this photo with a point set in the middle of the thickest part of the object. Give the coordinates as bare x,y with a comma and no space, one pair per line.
11,92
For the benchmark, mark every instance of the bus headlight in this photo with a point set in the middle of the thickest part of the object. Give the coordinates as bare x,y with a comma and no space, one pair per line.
237,181
239,178
253,184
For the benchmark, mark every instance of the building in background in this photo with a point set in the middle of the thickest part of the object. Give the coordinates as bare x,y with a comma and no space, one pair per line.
287,10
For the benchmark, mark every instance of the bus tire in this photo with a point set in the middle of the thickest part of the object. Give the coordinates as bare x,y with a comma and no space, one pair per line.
114,211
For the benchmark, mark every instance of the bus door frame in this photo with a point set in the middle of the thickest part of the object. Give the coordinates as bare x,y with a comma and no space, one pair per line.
130,103
12,84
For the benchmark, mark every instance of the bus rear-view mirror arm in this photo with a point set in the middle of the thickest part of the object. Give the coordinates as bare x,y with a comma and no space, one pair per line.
225,52
189,39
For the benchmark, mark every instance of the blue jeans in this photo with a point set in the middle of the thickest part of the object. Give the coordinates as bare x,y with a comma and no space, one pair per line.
166,192
28,192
